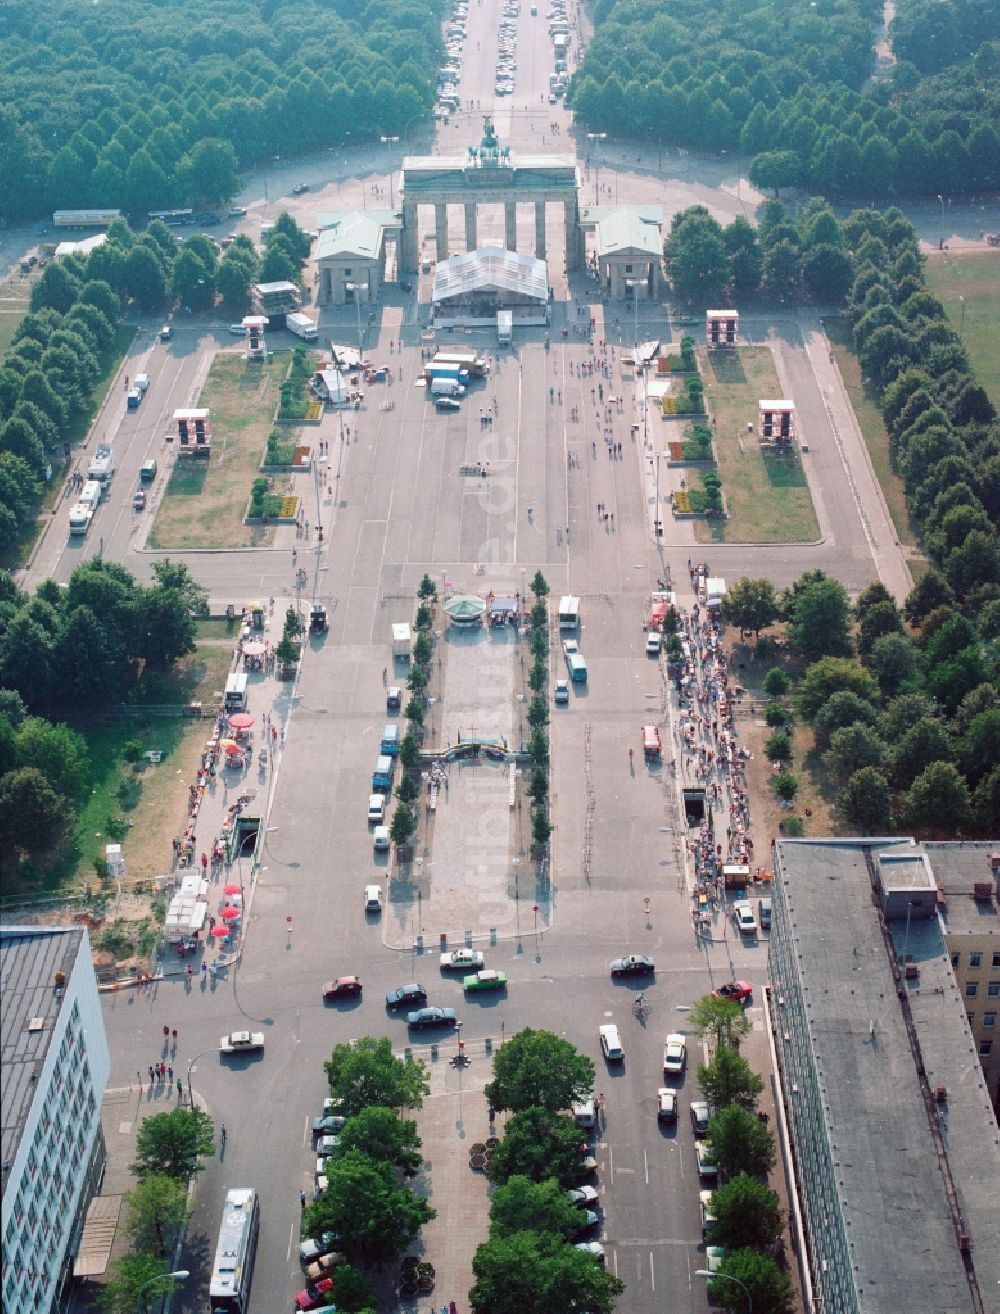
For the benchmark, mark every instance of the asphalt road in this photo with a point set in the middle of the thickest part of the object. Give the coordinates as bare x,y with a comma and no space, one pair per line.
400,509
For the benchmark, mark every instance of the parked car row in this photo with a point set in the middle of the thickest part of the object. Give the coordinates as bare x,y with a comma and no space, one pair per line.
507,50
451,70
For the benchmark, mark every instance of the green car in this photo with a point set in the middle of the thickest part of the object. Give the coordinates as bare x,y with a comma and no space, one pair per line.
487,980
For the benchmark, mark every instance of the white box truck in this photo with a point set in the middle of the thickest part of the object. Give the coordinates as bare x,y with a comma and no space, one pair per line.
505,327
401,641
445,387
80,517
302,326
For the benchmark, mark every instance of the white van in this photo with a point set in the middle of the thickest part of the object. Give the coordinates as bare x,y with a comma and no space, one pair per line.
376,809
381,839
585,1114
611,1043
236,697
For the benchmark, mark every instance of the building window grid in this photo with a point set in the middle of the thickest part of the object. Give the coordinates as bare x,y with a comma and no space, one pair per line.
985,1048
996,960
971,989
989,1019
993,989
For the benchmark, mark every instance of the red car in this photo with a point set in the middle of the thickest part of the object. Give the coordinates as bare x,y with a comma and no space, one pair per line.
314,1297
738,992
345,987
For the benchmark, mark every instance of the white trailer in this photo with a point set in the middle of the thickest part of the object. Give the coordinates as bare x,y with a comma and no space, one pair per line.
80,517
91,494
302,326
505,327
102,464
401,641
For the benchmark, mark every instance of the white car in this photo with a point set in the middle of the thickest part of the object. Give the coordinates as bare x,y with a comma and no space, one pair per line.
592,1248
560,693
380,837
583,1196
674,1054
745,920
707,1168
465,960
242,1042
654,642
570,646
707,1217
237,330
373,898
376,809
666,1105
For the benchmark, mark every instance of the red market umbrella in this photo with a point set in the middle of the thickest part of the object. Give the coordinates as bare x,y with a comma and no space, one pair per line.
232,889
241,721
220,932
233,750
229,914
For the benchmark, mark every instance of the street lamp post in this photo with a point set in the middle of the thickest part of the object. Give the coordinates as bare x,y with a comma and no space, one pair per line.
597,136
357,288
179,1275
961,327
191,1064
941,200
707,1273
390,141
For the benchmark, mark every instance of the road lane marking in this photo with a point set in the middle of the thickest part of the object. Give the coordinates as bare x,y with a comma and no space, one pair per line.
652,1272
645,1165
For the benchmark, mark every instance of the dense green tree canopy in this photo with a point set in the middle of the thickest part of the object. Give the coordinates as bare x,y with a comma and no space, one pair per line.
537,1069
366,1072
176,98
537,1273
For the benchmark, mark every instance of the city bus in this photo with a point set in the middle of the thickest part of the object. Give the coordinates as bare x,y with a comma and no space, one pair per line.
85,218
569,613
174,218
235,1251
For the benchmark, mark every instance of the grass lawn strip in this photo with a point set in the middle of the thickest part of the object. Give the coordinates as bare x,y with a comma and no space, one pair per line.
767,497
974,276
205,501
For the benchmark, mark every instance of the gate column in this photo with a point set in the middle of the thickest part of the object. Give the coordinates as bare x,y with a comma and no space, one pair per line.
408,239
441,229
540,230
510,225
471,241
573,242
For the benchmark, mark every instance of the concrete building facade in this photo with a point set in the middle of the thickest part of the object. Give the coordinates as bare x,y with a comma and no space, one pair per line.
489,173
885,1117
55,1065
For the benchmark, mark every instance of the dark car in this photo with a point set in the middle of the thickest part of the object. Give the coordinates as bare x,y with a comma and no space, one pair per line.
431,1017
207,217
448,404
406,996
299,189
633,965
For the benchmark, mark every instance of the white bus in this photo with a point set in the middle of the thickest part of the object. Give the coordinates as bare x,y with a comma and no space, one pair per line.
235,1251
85,218
569,613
